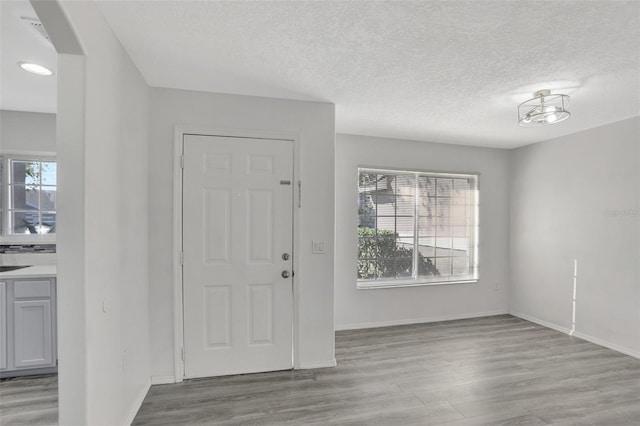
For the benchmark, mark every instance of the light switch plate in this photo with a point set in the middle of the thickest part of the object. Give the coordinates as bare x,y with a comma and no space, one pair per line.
317,247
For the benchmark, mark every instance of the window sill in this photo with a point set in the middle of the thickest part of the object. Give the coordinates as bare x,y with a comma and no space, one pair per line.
28,239
370,285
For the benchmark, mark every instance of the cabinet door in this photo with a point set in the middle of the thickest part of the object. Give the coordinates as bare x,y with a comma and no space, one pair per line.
3,325
33,333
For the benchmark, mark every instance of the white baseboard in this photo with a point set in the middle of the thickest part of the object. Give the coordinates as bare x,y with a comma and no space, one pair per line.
544,323
357,326
606,344
588,338
317,364
162,380
137,403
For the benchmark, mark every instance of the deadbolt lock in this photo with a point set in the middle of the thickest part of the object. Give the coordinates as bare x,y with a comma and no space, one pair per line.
285,256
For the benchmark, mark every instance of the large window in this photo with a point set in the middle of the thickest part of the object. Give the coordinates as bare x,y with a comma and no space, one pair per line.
29,196
416,228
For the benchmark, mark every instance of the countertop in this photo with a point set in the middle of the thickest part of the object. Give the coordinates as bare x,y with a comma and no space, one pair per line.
36,271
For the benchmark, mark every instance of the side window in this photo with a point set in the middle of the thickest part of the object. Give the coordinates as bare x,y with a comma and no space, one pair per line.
30,193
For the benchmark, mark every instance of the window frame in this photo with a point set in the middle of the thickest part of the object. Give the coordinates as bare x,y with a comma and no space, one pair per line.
5,195
416,281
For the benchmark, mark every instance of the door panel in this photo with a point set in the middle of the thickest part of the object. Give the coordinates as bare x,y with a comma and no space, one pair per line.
260,314
217,316
217,205
260,226
237,222
33,333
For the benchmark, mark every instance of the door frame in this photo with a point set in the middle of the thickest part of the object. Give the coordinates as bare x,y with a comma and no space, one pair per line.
178,308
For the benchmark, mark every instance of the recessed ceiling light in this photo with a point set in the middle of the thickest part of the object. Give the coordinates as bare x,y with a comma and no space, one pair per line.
35,68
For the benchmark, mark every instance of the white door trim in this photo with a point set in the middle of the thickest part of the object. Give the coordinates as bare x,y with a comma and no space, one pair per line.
178,313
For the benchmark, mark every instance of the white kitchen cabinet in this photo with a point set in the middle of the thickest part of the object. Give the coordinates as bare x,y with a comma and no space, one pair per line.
32,326
29,319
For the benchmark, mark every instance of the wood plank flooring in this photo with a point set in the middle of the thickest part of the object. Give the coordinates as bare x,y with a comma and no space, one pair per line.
31,400
497,370
485,371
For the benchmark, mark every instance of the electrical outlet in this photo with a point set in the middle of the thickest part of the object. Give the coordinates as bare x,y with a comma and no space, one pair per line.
125,361
496,286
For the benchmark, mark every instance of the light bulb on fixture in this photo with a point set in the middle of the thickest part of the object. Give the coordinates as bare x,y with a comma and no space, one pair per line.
35,68
543,108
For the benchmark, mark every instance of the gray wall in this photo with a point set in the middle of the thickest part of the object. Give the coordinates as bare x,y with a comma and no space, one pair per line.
577,198
25,132
376,307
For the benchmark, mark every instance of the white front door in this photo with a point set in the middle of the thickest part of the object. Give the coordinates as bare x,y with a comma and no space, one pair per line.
237,211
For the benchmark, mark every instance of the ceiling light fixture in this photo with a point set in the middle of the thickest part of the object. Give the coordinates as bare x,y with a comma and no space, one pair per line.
35,68
543,108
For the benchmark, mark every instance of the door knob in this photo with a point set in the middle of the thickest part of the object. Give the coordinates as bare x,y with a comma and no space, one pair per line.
285,274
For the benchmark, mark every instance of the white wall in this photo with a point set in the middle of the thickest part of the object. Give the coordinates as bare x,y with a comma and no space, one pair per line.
376,307
578,197
22,132
103,254
28,133
70,244
314,123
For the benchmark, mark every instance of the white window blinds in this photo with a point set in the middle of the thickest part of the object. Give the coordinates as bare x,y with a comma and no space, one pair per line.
416,227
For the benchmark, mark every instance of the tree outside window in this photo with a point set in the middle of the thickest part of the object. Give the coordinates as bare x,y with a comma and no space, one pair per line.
416,227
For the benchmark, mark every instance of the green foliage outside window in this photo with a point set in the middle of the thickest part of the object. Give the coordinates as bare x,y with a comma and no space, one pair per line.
380,256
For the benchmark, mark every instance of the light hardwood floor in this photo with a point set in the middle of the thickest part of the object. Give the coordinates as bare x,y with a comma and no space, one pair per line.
486,371
29,400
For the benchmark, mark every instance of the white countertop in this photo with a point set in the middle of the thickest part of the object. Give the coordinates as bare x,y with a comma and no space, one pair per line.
27,259
36,271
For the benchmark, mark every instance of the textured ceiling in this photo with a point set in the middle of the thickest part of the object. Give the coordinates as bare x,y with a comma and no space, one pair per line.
20,90
445,71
